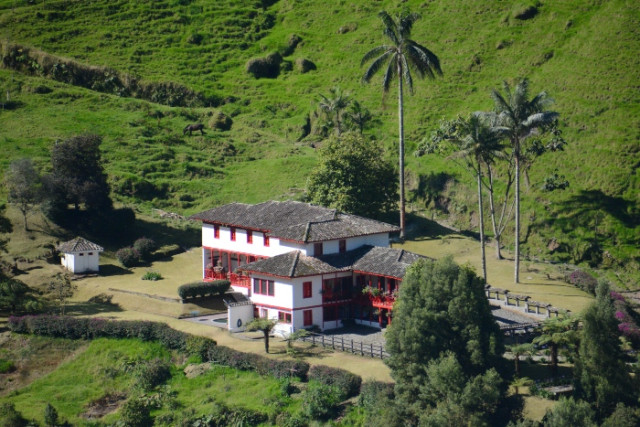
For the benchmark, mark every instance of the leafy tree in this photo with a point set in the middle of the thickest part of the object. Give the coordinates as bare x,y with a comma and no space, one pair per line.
51,415
478,144
559,333
16,296
623,416
61,290
521,382
358,116
10,416
441,308
569,412
333,108
78,176
5,228
135,413
353,177
402,58
601,374
521,118
24,185
263,325
518,350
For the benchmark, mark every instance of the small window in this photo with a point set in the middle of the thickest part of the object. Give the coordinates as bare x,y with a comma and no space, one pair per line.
317,249
306,290
80,254
90,253
284,317
342,245
216,231
307,316
264,287
249,236
256,286
271,288
266,240
233,234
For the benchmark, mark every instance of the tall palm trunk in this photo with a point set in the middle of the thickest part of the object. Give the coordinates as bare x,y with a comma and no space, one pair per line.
401,149
517,237
492,210
480,211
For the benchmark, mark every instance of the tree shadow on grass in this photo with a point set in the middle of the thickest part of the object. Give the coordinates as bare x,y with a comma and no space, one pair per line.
421,228
87,308
113,270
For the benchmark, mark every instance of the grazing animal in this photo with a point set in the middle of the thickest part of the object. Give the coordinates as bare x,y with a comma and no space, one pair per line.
195,126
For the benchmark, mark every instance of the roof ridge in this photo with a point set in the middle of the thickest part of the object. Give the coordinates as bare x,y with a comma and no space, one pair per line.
400,255
294,264
307,230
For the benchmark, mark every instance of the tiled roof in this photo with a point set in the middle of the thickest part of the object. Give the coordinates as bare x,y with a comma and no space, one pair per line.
296,221
370,259
78,245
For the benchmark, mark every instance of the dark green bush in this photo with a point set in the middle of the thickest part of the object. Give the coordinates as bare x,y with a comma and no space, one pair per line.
320,401
51,415
372,393
345,382
128,257
145,247
6,366
152,373
254,362
203,289
10,417
268,67
135,413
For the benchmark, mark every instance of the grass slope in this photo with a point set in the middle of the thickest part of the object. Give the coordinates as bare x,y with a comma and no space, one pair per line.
585,54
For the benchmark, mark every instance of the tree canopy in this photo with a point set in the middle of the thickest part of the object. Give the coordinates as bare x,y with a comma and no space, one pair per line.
353,176
24,185
77,176
441,320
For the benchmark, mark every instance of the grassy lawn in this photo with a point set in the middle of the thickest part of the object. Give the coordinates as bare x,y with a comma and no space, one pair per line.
543,282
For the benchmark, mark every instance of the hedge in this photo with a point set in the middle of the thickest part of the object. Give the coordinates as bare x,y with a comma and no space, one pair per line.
202,289
254,362
91,328
346,382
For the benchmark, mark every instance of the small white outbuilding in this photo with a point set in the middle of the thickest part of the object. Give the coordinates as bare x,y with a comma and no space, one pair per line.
80,255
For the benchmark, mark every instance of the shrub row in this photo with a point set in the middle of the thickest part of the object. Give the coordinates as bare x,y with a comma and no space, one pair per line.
254,362
347,383
584,281
101,79
91,328
141,251
202,289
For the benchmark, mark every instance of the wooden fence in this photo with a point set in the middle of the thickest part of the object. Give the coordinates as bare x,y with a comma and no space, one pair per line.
347,345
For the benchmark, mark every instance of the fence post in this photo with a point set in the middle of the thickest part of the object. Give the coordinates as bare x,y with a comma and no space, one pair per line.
381,348
313,339
352,347
333,345
342,342
323,341
372,355
361,349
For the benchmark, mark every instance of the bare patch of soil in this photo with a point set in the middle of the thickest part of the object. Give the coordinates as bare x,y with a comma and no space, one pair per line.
104,406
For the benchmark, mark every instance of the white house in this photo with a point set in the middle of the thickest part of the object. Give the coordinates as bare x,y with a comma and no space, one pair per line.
304,265
80,255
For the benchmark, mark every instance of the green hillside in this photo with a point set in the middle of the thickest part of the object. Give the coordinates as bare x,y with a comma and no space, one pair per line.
190,57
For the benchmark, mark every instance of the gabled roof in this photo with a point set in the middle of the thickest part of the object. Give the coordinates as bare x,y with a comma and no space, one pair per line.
79,244
295,221
367,259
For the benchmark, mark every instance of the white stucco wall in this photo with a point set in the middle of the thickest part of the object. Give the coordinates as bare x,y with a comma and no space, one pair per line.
244,313
81,262
333,246
276,247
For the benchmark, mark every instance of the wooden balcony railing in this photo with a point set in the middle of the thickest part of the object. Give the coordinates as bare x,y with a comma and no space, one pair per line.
235,279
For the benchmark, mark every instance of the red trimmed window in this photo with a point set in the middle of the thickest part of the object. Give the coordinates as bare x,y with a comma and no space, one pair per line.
233,234
317,249
249,236
266,240
306,290
216,231
284,317
263,287
342,246
307,317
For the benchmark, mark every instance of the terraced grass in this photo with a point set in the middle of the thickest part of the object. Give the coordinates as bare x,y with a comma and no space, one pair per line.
583,53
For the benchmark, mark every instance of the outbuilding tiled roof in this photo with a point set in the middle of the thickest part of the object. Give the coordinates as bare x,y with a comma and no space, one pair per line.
368,259
78,244
295,221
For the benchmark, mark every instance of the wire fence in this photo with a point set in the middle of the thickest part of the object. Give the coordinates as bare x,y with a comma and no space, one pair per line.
347,345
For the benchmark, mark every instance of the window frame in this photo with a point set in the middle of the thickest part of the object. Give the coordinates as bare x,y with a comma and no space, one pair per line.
307,317
266,239
342,246
264,287
249,236
307,289
232,231
318,249
284,317
216,231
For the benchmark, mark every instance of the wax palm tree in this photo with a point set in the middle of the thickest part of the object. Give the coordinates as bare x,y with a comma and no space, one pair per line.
476,141
521,118
333,107
359,116
402,57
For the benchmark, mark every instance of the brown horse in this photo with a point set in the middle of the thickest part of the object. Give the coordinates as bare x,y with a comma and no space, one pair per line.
195,126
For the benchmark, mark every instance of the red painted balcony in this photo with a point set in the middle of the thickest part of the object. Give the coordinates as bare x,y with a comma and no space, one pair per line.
235,279
383,301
